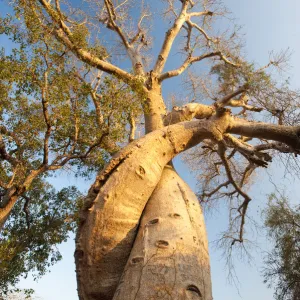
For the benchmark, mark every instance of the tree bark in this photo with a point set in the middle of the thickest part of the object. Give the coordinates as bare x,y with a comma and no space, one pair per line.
13,193
169,259
9,200
115,203
154,108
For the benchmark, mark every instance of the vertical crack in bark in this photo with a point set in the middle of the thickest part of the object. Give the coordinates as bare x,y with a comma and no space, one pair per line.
187,205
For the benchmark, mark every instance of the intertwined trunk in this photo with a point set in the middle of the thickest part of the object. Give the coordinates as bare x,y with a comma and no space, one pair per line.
177,248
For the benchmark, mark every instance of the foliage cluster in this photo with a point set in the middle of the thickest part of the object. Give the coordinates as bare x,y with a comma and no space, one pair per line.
42,219
282,264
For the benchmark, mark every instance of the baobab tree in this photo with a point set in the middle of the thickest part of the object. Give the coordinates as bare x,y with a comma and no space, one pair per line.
141,232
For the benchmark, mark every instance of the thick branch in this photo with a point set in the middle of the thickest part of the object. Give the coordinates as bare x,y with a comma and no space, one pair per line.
289,135
65,35
169,39
188,112
277,146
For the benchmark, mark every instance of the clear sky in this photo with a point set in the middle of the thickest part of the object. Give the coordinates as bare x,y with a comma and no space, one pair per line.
268,25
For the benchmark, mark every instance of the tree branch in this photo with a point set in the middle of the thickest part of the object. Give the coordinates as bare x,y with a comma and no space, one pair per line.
289,135
64,34
221,151
4,155
188,112
26,210
171,34
132,127
227,98
185,65
46,113
112,23
250,152
208,195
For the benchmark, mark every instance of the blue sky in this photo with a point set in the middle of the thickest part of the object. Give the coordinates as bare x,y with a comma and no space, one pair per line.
269,25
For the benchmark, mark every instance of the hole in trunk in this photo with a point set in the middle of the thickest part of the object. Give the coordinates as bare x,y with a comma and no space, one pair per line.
194,289
140,172
162,244
137,259
175,215
152,222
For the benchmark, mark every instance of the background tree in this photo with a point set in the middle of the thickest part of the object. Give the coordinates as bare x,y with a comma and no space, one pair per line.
43,219
283,262
21,295
168,257
43,130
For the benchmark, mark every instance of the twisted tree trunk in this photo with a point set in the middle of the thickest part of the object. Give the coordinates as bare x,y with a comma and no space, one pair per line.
169,259
115,204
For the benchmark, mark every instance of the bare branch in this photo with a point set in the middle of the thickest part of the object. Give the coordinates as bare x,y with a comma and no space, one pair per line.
169,39
243,207
64,34
227,98
249,151
112,22
185,65
247,173
140,31
4,155
208,195
221,151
